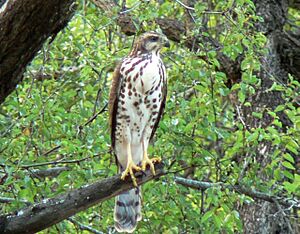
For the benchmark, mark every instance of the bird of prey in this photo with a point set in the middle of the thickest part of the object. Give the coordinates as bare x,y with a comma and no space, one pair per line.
136,103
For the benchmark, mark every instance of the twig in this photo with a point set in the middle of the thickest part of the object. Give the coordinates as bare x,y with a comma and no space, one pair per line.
52,150
185,6
238,188
203,12
99,94
84,227
50,172
7,130
95,116
9,200
240,117
132,8
244,169
61,162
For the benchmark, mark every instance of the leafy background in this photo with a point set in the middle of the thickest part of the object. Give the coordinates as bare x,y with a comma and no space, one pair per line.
45,122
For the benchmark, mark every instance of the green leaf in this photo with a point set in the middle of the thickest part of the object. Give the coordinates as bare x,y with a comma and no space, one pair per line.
288,165
292,146
257,114
289,175
289,157
253,136
242,96
206,216
289,187
279,108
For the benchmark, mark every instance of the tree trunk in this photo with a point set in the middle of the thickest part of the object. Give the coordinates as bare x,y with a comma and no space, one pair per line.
261,216
24,27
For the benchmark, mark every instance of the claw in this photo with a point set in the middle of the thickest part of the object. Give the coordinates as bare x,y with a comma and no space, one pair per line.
129,171
130,167
147,161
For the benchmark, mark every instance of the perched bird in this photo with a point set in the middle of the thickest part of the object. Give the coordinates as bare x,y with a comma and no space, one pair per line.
136,103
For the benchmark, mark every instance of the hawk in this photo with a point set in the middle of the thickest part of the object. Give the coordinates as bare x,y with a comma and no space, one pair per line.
136,104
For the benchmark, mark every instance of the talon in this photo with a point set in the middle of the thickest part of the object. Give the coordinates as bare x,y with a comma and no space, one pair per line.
129,170
147,161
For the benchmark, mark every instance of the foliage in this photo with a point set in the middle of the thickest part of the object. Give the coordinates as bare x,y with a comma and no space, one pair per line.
46,120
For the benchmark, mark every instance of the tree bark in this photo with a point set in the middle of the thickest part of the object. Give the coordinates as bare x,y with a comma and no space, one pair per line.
24,27
261,216
51,211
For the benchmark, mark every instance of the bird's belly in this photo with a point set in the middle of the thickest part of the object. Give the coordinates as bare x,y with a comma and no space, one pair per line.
139,103
139,119
149,79
141,113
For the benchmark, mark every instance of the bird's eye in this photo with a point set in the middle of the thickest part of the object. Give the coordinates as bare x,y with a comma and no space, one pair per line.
153,39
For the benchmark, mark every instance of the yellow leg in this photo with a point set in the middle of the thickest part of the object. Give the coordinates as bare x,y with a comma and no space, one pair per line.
130,167
147,161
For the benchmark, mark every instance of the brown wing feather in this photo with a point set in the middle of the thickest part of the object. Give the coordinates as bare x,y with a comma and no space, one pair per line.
113,102
161,109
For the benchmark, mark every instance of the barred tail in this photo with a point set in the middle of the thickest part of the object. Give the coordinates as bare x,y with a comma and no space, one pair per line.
128,210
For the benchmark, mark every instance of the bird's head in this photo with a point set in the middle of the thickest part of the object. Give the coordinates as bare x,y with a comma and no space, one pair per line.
150,42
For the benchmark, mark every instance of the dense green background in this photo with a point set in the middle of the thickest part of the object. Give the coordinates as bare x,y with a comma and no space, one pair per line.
68,82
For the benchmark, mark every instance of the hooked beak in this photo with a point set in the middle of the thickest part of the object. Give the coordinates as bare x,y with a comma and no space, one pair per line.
167,43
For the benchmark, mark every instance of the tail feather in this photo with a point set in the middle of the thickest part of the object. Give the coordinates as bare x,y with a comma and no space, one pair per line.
128,210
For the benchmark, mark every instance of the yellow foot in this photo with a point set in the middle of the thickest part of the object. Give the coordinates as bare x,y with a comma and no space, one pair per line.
129,170
147,161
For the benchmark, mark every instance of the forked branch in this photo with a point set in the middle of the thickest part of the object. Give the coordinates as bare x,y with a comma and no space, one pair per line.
51,211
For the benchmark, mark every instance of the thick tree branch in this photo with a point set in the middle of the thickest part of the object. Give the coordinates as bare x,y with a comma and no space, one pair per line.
24,27
240,189
51,211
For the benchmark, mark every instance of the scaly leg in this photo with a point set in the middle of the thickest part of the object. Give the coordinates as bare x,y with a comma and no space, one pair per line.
147,161
130,167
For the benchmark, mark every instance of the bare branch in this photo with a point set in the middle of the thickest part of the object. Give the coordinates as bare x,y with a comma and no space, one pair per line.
52,150
9,200
240,189
84,227
50,172
185,6
51,211
59,161
94,116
